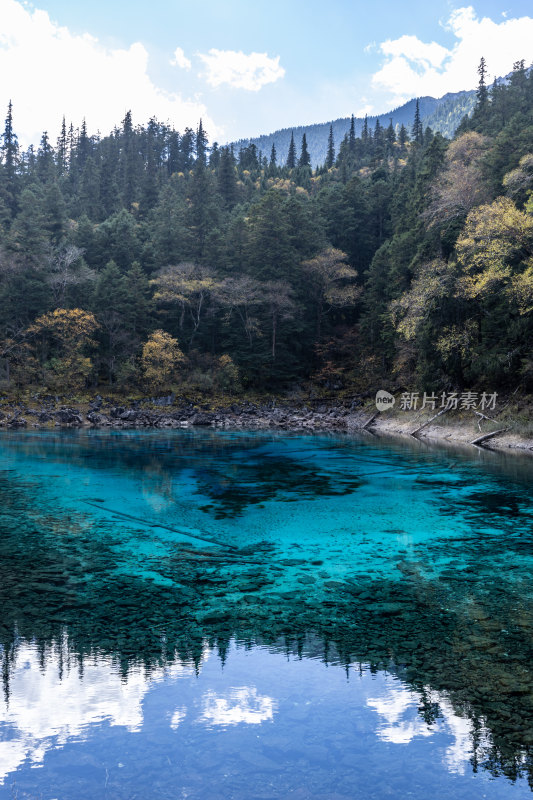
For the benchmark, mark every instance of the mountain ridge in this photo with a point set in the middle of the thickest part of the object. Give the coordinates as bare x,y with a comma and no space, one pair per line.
442,114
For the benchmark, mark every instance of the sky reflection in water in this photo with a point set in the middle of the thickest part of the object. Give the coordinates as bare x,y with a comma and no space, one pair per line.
263,718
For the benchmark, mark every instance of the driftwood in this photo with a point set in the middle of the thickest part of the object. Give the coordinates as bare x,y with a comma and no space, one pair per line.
181,531
424,424
480,439
482,416
369,422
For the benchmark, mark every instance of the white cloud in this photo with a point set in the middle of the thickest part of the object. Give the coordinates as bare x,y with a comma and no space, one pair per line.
366,108
242,71
241,704
411,47
48,707
180,59
54,72
400,722
177,717
414,68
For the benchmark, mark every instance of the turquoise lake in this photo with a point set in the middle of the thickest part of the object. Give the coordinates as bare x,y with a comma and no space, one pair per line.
221,615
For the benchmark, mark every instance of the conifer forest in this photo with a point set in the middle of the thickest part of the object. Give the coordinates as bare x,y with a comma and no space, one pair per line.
152,259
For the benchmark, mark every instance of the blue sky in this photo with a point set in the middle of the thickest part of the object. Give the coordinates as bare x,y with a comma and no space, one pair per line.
247,68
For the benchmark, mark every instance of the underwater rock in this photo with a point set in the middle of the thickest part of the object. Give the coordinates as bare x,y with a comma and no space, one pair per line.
386,609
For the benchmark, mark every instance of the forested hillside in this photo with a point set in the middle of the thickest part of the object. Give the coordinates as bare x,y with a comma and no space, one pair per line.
147,260
443,115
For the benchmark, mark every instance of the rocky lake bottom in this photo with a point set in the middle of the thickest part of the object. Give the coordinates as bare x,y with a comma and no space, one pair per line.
239,614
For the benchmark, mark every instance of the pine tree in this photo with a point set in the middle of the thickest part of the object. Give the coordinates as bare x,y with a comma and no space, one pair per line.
364,132
482,91
187,145
128,163
28,234
214,156
173,152
390,136
84,146
71,144
291,156
379,149
330,157
139,305
201,144
418,131
227,180
249,158
45,165
305,158
55,213
273,156
150,189
10,154
351,135
62,150
403,136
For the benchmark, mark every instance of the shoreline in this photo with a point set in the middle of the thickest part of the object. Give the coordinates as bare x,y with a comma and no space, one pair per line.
299,417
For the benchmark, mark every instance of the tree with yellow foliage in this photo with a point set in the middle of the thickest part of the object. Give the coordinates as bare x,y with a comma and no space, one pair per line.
62,338
494,248
161,356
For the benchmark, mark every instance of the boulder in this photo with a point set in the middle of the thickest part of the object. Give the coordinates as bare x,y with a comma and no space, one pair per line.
68,416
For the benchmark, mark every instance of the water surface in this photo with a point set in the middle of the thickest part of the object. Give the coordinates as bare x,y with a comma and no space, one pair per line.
257,615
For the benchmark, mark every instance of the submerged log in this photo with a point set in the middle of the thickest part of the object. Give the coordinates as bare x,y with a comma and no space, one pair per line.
180,531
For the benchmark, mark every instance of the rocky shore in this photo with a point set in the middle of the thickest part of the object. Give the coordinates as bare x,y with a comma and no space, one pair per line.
166,413
314,416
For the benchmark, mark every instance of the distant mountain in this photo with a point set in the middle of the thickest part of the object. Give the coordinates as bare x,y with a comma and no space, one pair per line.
442,114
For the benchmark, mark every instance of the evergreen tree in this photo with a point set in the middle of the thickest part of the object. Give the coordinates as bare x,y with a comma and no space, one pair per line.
150,189
83,146
227,179
110,304
330,157
351,135
10,154
138,308
128,172
214,156
201,144
173,152
45,165
365,132
305,159
418,132
187,146
62,150
171,240
390,137
291,156
28,235
54,213
202,212
482,91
